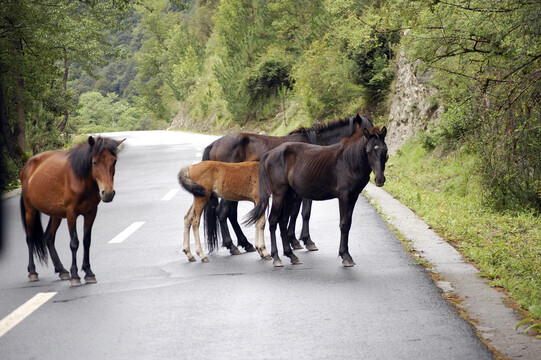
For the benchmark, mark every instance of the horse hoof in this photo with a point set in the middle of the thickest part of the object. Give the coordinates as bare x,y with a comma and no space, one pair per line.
267,257
348,263
33,277
75,282
64,276
296,246
311,247
90,280
191,259
296,261
277,263
234,251
250,248
205,260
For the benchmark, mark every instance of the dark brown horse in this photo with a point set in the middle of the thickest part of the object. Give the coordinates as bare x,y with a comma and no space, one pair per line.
65,185
318,173
238,147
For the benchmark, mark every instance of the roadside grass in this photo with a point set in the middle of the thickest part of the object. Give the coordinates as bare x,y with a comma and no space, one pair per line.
443,190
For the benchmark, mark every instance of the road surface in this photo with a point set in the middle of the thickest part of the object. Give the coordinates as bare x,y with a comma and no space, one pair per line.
151,303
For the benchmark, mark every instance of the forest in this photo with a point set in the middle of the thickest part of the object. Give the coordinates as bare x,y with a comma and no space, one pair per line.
71,67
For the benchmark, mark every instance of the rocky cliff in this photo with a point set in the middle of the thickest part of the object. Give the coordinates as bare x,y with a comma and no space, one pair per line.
412,104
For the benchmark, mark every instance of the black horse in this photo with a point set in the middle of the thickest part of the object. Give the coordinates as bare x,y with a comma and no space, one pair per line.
318,173
239,147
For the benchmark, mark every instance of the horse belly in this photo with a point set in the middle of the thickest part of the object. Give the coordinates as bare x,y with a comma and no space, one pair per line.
45,190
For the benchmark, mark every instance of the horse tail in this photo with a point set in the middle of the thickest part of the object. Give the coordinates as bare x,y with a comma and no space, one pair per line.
206,152
264,195
189,185
37,236
211,223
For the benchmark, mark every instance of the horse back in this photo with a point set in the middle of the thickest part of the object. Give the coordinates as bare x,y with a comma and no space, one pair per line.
239,147
230,181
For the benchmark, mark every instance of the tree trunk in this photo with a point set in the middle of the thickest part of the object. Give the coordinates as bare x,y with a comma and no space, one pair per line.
64,122
11,136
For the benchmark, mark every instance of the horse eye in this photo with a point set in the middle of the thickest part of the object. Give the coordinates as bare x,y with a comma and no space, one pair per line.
95,163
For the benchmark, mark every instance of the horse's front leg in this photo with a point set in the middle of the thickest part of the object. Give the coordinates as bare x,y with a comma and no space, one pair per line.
346,211
241,238
188,218
90,278
295,244
74,246
50,235
305,232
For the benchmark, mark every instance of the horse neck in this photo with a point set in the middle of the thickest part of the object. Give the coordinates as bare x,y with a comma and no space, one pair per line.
354,152
303,136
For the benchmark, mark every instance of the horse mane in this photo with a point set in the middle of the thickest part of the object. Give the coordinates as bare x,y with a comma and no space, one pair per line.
352,145
80,156
321,128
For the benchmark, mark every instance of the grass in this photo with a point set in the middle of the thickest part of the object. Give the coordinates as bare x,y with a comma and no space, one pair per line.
443,190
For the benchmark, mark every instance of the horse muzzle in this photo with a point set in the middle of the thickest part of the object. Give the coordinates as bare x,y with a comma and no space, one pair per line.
380,181
107,196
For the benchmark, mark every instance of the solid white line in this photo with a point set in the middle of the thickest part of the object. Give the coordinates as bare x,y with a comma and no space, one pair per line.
170,195
127,232
23,311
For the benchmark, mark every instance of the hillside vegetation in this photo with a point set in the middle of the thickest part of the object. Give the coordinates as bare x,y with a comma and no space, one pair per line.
92,66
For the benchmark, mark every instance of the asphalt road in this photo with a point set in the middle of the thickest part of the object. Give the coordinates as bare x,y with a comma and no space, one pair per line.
151,303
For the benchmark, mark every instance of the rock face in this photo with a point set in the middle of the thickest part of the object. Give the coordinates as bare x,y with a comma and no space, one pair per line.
413,105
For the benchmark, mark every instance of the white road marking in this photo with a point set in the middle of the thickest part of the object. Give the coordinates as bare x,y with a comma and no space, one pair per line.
170,195
127,232
23,311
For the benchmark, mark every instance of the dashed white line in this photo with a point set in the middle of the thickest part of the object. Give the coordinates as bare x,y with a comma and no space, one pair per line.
19,314
127,232
170,195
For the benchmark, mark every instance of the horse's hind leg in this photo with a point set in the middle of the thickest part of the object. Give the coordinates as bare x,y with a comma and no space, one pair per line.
286,211
223,212
198,209
305,232
241,238
50,235
188,218
259,238
90,278
295,244
30,217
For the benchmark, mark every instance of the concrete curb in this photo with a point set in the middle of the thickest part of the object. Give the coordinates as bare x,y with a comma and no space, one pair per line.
495,321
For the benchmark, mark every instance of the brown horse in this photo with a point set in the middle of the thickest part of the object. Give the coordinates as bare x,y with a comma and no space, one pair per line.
65,185
318,173
238,147
230,181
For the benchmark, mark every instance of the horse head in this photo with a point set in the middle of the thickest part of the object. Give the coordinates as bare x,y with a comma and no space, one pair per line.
376,151
103,165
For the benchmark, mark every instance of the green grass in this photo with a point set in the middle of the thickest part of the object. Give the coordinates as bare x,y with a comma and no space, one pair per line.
445,192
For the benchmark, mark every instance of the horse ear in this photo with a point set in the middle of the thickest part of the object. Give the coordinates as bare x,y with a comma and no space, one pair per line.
366,133
91,141
120,142
384,132
358,118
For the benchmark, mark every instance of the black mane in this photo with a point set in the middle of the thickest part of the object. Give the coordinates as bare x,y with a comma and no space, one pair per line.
326,134
80,157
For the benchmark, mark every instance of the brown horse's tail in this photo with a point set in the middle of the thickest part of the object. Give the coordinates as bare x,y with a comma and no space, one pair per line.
264,195
36,240
211,223
189,185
